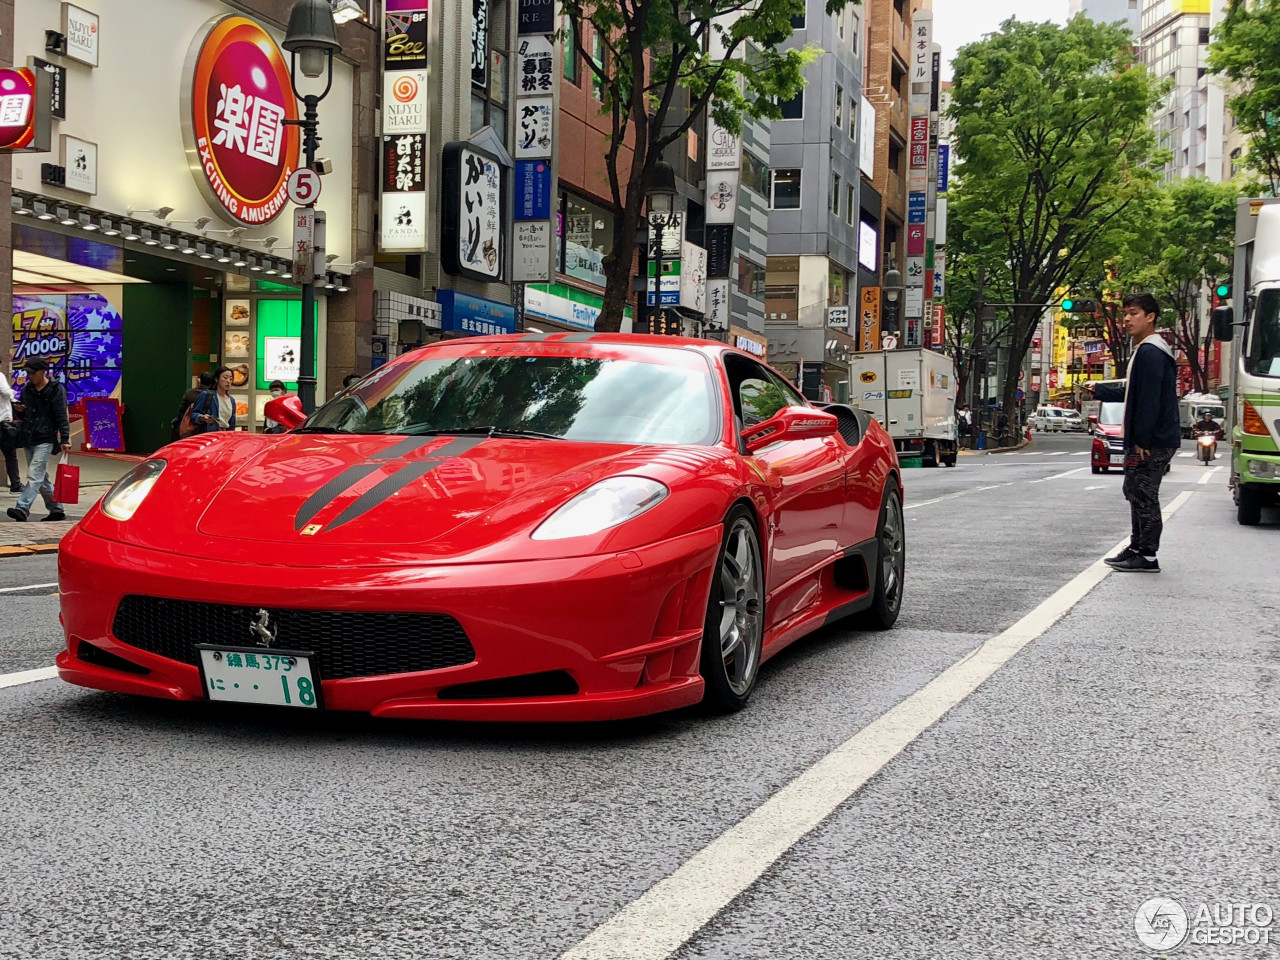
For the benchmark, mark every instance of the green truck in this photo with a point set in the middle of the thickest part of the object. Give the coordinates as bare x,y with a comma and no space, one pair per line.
1251,324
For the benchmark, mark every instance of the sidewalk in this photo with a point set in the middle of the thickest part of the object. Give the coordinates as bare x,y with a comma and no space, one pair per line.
97,473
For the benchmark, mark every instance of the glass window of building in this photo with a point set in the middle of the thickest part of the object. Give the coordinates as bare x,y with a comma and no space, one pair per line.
835,194
597,57
850,204
786,189
792,109
853,118
797,22
755,174
572,68
839,106
586,238
751,277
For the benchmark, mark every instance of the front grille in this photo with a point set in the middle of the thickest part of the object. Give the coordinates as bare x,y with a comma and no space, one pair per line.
345,644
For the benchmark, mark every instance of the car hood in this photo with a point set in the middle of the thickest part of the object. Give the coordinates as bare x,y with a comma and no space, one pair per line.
394,490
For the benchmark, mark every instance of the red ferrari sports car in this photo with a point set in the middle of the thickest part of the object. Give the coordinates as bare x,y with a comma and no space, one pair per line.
525,527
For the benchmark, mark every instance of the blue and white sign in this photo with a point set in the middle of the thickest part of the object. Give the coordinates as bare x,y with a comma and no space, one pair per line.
944,166
916,203
475,315
533,190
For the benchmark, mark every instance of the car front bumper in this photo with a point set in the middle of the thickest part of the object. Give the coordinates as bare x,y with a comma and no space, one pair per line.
625,627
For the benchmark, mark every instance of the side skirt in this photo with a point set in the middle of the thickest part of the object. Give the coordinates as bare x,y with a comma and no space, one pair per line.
848,585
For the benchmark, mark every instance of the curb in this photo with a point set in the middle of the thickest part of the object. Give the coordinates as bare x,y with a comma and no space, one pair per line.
996,450
29,549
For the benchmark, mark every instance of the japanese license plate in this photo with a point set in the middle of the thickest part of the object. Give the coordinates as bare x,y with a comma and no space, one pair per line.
1117,458
280,678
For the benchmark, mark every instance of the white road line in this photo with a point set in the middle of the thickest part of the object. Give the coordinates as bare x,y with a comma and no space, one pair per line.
1184,454
674,909
34,586
952,496
1209,475
1059,476
1057,453
27,676
1096,487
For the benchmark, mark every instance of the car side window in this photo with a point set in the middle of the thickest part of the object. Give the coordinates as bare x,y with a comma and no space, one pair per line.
760,399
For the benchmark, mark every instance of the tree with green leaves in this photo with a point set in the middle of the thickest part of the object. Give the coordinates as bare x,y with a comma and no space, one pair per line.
1194,232
1246,51
664,64
1054,144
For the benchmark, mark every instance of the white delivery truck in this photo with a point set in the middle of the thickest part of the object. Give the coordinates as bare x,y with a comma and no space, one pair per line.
1252,326
913,395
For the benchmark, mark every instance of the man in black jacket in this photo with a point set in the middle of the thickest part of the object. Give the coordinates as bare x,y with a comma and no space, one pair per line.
1152,429
44,426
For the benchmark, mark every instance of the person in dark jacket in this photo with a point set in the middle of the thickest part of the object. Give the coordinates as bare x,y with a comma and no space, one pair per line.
1152,429
44,426
176,431
215,409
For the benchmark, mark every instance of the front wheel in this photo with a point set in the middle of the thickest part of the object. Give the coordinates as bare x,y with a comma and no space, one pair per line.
891,537
1097,469
1248,506
733,632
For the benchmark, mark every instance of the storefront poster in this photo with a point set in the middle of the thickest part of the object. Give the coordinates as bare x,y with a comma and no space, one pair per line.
868,332
404,102
722,197
404,163
102,427
79,335
280,358
475,315
537,16
235,346
80,160
533,190
405,35
80,27
718,304
237,314
240,104
404,221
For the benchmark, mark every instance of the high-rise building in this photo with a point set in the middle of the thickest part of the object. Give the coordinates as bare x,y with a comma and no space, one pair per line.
887,82
1190,121
814,218
1110,11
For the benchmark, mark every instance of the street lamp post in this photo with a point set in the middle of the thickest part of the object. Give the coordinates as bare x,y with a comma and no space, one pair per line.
892,293
661,196
312,40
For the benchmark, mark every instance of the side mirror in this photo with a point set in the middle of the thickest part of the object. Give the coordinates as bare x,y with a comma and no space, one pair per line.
1093,418
790,423
1224,324
286,411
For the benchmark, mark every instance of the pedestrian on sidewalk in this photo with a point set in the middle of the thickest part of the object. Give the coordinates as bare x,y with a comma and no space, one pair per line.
182,425
215,410
1152,429
44,426
270,426
9,435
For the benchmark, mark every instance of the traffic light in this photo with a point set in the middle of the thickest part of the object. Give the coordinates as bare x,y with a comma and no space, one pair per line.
1223,290
1071,305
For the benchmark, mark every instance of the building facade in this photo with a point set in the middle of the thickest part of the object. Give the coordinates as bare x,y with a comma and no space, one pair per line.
815,204
1128,12
152,240
887,24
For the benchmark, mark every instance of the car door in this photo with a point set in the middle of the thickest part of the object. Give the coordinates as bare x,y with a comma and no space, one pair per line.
805,478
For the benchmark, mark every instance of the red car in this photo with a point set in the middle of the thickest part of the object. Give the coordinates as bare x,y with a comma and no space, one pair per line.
525,527
1108,438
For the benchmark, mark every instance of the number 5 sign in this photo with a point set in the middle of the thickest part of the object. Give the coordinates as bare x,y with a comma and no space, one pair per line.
304,187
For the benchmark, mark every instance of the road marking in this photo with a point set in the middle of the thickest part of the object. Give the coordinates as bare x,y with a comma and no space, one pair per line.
1209,475
1096,487
952,496
1059,476
27,676
1184,454
675,908
1057,453
34,586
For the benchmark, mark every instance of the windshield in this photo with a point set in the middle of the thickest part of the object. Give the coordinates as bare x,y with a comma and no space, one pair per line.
1213,413
574,398
1111,414
1263,357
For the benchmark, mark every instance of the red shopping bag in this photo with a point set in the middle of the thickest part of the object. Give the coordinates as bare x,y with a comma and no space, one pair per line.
66,483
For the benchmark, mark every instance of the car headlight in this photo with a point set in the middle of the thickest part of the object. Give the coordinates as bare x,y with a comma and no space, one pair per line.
124,498
604,505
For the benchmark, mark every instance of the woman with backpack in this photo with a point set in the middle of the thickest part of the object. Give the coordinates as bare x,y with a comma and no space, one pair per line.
181,426
214,409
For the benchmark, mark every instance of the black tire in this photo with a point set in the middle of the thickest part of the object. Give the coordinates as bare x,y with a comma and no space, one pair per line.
886,601
1097,469
729,682
1248,507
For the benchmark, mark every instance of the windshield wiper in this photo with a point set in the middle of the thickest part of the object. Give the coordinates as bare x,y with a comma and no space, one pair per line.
491,431
318,429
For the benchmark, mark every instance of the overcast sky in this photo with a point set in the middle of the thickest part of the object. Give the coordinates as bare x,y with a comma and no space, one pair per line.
957,22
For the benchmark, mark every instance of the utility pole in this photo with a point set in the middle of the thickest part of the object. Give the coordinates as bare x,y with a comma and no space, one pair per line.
979,356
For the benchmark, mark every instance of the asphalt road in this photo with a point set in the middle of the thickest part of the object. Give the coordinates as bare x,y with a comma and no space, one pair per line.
1128,751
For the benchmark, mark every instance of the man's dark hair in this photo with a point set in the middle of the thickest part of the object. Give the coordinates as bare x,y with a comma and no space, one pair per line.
349,379
208,381
1144,302
276,385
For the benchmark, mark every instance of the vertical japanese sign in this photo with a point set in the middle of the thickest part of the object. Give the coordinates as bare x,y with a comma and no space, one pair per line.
920,84
480,44
240,97
868,332
535,113
472,199
406,124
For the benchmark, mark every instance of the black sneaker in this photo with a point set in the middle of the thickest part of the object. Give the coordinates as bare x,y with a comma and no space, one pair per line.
16,488
1120,557
55,516
16,514
1137,564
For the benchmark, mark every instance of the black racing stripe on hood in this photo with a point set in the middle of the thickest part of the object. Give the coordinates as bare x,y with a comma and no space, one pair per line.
402,478
324,496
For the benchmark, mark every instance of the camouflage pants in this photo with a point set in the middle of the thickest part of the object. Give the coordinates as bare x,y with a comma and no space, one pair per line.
1142,490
